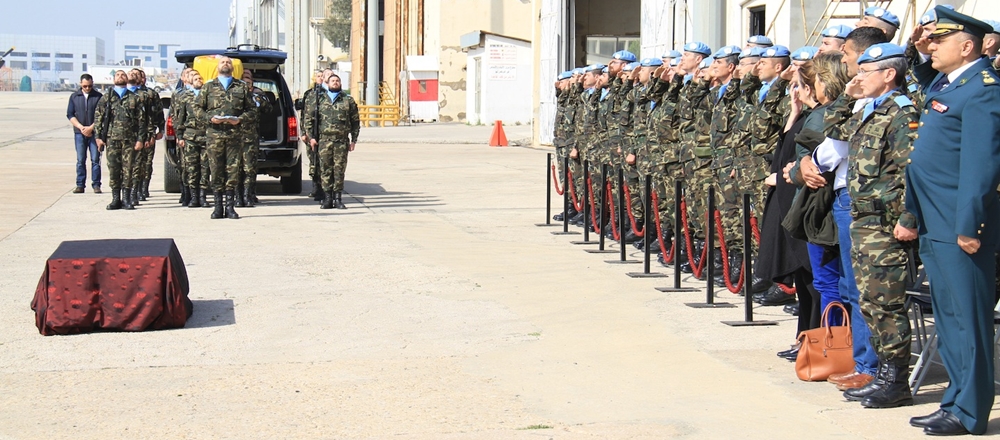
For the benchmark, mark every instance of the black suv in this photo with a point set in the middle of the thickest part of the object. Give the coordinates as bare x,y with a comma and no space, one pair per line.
279,130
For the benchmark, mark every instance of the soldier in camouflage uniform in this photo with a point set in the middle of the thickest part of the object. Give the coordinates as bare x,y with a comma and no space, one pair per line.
338,120
177,99
156,124
663,135
251,137
575,115
307,98
638,153
189,126
222,102
765,124
586,126
562,132
879,151
119,122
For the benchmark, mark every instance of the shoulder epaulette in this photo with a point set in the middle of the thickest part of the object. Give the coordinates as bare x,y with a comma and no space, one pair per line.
903,101
988,79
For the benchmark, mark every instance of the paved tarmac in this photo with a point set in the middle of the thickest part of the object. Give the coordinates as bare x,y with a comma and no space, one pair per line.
432,308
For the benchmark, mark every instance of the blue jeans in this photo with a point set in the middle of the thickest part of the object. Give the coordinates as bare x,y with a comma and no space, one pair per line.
83,144
826,280
865,358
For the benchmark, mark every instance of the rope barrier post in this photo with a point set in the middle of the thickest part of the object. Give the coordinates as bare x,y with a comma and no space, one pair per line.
567,184
600,212
678,195
587,214
748,270
622,215
709,258
647,208
548,192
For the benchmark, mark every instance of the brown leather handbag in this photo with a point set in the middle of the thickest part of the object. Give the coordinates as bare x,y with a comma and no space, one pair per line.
826,350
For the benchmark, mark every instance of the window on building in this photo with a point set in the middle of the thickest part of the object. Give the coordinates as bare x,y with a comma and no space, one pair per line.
163,64
41,65
148,48
163,51
84,67
64,55
758,24
131,47
600,49
19,54
40,54
149,58
19,65
84,56
64,67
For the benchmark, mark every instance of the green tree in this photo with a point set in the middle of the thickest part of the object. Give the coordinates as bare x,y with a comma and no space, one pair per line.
337,26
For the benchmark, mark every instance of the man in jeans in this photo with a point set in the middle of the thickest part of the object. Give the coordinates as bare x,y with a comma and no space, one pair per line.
80,113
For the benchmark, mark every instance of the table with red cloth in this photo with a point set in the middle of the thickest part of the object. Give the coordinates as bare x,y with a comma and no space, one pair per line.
117,285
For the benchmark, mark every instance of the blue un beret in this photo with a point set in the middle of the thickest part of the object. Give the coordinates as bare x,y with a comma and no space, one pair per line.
726,51
931,16
630,67
651,62
760,39
754,52
950,21
624,55
565,75
706,62
804,53
838,31
882,14
671,54
881,51
675,62
995,24
776,52
698,47
594,67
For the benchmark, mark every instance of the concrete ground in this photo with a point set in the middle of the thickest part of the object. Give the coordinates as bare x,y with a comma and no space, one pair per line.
433,308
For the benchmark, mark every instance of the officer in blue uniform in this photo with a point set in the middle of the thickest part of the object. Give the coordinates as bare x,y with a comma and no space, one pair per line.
951,187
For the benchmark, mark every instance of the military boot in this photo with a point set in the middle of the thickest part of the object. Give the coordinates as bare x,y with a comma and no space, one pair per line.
203,198
338,201
230,205
145,190
127,198
185,196
247,196
134,198
181,199
896,388
240,202
320,195
194,194
327,201
116,200
570,211
253,191
217,213
859,394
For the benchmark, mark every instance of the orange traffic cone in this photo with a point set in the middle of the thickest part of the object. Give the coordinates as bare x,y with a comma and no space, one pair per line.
498,138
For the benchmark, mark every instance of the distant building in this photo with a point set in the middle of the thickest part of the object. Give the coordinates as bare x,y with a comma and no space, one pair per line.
156,49
52,58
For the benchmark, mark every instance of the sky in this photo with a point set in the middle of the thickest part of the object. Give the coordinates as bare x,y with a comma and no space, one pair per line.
97,18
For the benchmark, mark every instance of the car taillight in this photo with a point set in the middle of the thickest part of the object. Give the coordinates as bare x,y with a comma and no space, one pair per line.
293,129
170,129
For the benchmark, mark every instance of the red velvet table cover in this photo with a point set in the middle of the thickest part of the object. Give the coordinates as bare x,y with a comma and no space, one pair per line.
118,285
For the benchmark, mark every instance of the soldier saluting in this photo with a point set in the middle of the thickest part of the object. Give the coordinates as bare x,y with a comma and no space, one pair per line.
121,128
336,118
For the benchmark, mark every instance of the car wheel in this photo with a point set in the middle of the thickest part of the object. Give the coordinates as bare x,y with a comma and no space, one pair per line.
292,184
171,177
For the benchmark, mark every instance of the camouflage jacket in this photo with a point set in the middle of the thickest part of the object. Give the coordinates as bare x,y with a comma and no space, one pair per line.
766,123
838,123
745,109
559,130
215,100
120,118
572,97
605,107
252,118
665,98
620,118
695,114
337,119
189,123
154,111
723,126
586,120
638,127
879,152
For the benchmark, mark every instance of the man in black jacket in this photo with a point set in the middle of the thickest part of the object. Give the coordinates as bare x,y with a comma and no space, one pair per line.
80,113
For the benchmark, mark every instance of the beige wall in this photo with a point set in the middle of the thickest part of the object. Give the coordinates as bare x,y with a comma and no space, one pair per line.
512,18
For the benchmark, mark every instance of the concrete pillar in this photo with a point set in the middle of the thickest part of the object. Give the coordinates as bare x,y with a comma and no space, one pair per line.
373,56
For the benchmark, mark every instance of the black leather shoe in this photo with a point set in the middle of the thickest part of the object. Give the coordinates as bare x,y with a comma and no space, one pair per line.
923,421
792,309
792,354
760,284
776,297
786,353
577,219
947,424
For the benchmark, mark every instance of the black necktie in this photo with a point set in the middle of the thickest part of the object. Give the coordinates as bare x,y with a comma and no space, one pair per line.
941,84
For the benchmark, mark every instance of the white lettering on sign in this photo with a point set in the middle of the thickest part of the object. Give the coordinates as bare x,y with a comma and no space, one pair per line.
502,52
503,72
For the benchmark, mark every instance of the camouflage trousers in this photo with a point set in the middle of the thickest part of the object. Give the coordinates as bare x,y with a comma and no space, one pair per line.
729,202
562,154
635,182
333,163
699,179
120,159
668,175
147,161
248,161
192,165
880,270
224,147
576,171
751,177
